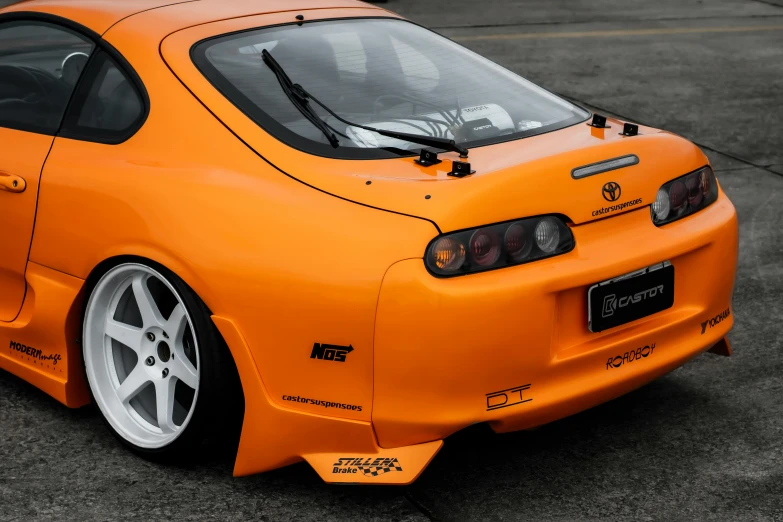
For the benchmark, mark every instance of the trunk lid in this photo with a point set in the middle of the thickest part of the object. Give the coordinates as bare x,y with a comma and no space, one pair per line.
516,179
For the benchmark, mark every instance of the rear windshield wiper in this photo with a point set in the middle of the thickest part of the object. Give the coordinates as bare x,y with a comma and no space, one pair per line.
300,98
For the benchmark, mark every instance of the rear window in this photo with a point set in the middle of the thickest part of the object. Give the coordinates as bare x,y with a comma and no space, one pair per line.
384,73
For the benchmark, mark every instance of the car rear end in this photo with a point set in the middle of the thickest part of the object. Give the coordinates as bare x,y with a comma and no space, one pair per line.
520,346
611,296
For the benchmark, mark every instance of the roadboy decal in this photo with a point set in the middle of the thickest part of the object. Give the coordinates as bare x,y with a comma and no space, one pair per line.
630,356
35,353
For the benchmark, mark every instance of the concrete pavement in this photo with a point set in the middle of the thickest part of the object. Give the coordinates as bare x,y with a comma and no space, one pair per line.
703,443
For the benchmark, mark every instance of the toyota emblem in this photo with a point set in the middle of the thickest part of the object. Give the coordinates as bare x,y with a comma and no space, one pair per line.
611,191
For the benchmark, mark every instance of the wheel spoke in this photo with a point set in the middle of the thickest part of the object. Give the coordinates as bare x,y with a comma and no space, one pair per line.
133,384
147,306
177,324
183,369
164,395
128,335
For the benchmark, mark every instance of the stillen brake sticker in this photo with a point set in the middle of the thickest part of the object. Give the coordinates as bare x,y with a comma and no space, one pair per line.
370,467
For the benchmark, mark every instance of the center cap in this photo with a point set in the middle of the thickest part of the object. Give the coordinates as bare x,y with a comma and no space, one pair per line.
164,352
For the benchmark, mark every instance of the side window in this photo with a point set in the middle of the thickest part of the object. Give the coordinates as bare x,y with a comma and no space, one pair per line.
40,64
108,107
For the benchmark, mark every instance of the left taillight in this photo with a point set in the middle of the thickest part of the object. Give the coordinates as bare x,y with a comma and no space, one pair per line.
684,195
497,246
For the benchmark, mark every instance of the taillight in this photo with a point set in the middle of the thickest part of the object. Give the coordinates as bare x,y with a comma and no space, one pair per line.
497,246
485,247
447,254
685,195
519,241
548,235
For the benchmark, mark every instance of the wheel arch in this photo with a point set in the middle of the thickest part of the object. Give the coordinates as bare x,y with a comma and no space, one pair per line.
227,366
178,268
77,313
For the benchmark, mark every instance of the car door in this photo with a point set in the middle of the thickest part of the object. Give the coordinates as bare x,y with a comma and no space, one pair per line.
40,64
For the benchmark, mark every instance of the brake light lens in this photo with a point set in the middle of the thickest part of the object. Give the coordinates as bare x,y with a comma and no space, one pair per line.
519,241
497,246
485,246
684,195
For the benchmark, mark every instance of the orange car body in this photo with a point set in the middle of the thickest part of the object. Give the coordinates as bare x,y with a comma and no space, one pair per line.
289,249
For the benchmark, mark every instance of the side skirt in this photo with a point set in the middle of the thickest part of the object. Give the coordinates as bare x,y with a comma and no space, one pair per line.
40,345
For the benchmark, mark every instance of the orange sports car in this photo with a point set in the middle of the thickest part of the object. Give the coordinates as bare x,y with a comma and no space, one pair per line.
334,229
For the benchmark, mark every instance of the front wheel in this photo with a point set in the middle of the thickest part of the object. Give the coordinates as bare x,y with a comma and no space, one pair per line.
156,367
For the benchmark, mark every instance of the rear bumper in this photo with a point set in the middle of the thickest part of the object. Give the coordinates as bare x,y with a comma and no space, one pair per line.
512,348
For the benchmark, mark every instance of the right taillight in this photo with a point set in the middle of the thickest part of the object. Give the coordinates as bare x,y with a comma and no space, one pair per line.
497,246
683,196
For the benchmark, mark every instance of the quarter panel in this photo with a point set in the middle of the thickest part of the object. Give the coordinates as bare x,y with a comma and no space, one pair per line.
290,265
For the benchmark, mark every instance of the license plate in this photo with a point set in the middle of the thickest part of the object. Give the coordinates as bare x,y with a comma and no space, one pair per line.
630,297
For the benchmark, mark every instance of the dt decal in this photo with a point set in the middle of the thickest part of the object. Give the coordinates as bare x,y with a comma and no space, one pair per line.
506,398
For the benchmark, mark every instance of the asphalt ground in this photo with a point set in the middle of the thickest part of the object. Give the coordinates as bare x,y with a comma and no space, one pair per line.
703,443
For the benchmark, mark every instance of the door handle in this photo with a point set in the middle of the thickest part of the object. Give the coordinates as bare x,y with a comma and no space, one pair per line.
12,183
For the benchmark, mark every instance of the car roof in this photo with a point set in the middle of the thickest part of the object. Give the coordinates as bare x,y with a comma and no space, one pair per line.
101,15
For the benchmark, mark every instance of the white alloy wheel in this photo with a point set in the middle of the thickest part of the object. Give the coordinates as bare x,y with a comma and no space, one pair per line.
141,355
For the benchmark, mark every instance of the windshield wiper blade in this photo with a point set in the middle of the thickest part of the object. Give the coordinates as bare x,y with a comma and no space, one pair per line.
427,141
300,98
